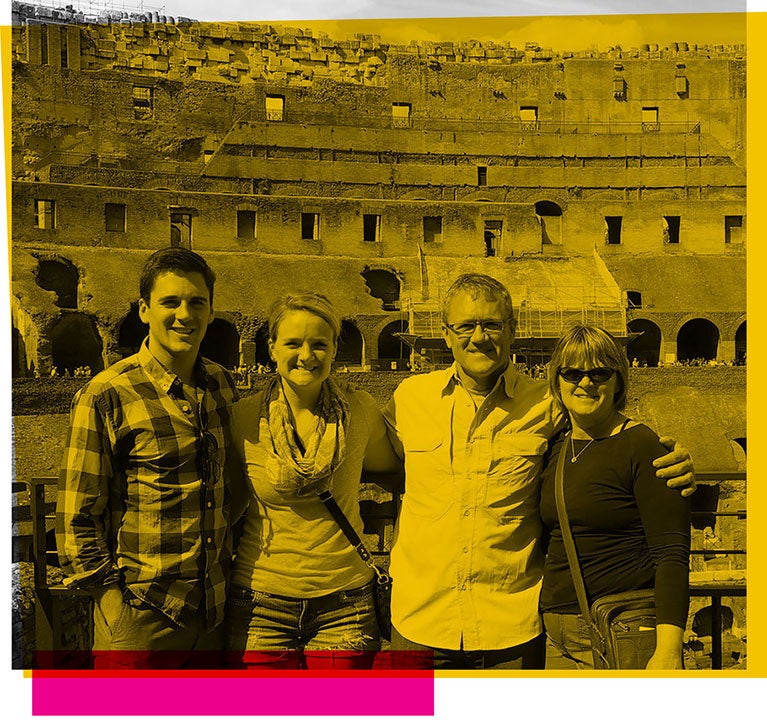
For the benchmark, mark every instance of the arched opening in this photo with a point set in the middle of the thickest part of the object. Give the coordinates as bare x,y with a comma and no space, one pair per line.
261,338
59,276
132,332
646,347
698,339
349,345
75,343
740,344
550,217
221,343
393,352
384,285
18,354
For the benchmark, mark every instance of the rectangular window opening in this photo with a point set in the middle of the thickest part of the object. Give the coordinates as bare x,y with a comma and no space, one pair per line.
143,102
493,231
246,224
613,229
432,229
528,115
45,214
400,115
275,108
671,226
44,44
650,120
481,175
633,299
181,230
310,225
114,217
371,227
733,229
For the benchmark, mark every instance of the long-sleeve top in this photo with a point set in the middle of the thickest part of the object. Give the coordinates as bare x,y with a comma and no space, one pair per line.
631,530
143,493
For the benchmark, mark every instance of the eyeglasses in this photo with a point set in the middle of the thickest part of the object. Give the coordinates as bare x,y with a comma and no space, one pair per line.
597,375
466,329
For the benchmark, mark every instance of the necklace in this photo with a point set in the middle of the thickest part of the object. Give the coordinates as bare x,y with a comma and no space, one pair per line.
580,452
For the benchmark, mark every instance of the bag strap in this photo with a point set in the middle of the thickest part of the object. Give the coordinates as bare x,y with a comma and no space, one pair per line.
597,642
351,534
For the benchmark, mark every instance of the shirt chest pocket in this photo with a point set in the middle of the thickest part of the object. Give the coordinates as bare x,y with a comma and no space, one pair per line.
514,476
429,474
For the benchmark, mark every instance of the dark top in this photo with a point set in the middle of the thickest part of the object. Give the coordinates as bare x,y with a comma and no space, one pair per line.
631,530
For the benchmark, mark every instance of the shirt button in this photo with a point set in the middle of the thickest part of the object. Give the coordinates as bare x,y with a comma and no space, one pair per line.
208,540
209,504
465,549
466,512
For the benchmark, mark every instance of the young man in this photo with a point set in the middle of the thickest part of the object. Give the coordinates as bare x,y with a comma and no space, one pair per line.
466,562
142,519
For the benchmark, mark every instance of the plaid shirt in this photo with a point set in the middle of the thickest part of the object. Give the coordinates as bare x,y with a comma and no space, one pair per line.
143,496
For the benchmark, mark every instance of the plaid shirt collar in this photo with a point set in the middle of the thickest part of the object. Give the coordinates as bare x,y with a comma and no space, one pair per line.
165,379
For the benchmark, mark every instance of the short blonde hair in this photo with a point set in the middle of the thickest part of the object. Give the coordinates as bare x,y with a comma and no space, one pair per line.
312,302
588,344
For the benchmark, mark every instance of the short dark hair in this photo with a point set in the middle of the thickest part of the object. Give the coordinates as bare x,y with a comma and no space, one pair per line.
480,285
174,259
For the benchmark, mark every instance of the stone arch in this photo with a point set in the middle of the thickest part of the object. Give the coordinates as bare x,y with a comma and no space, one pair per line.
59,275
391,347
350,345
221,343
261,340
549,214
75,342
18,354
131,332
646,347
697,338
383,284
740,344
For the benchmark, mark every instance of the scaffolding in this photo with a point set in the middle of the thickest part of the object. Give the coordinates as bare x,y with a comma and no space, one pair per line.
542,315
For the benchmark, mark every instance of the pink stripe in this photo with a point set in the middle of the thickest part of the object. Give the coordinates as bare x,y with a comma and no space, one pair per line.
190,694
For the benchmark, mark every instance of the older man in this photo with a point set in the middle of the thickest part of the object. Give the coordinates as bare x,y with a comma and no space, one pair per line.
467,561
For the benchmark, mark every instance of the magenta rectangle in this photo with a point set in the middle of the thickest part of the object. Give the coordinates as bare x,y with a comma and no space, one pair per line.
181,694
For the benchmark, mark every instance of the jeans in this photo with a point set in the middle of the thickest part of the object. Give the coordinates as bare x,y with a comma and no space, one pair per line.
568,644
409,655
335,631
141,637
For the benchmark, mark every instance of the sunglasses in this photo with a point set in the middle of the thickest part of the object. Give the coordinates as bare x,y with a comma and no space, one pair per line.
207,453
597,375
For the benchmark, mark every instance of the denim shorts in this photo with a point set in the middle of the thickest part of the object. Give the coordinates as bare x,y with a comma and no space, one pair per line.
335,631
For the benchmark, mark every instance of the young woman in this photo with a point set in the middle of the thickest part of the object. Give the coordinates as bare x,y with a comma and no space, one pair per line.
631,531
301,597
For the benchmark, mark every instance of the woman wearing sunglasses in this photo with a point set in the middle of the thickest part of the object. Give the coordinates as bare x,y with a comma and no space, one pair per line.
630,531
301,596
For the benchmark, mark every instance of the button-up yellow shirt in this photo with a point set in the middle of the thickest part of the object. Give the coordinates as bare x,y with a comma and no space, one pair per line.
466,559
